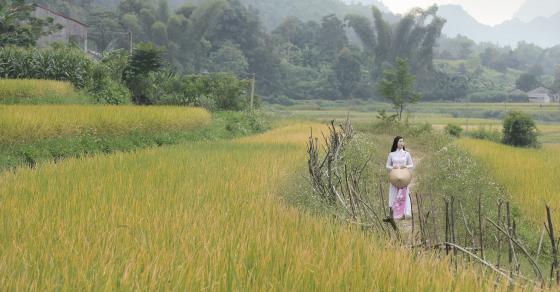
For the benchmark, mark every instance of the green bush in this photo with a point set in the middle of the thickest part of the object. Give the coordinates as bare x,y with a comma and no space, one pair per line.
63,64
520,130
488,96
281,100
454,130
215,92
485,134
108,91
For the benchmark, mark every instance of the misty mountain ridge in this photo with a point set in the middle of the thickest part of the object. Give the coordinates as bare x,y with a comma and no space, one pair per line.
533,9
541,31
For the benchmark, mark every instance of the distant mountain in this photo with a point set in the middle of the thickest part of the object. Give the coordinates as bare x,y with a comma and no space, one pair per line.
540,31
533,9
461,22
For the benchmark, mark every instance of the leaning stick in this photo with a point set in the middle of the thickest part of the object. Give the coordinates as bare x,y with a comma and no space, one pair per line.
480,235
540,244
480,260
466,224
433,216
500,203
412,215
446,227
533,262
554,247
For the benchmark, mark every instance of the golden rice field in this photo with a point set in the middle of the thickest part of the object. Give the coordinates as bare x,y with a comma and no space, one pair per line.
27,123
28,88
201,216
529,175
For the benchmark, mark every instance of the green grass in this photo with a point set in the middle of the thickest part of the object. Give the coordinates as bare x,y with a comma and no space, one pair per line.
470,116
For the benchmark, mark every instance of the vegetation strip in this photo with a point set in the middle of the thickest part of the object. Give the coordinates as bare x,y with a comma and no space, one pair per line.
21,124
224,125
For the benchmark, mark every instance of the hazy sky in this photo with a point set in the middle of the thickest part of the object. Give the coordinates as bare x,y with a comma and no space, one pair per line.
489,12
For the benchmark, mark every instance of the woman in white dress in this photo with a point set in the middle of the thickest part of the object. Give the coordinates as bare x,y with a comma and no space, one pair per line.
399,199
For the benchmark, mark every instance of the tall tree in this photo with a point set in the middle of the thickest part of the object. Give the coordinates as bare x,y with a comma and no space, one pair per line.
556,83
364,29
331,37
397,85
413,37
297,32
527,82
18,26
229,59
104,29
145,58
348,72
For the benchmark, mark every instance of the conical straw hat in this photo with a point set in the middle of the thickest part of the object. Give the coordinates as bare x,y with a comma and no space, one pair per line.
400,178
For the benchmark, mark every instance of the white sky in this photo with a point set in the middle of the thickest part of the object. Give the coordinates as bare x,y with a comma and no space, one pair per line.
491,12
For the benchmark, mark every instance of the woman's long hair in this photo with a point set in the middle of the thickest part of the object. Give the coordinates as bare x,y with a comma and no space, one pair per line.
395,144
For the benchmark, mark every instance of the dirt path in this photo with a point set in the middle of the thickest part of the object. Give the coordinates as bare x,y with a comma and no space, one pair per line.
406,226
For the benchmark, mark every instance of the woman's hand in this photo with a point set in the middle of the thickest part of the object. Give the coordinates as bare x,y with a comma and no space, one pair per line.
403,166
395,167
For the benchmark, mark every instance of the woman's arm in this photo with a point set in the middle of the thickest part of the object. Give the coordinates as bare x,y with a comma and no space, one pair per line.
389,164
409,162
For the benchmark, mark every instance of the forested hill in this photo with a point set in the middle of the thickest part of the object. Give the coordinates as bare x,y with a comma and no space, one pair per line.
307,49
273,12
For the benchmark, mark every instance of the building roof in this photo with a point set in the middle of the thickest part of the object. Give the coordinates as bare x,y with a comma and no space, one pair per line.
60,14
540,90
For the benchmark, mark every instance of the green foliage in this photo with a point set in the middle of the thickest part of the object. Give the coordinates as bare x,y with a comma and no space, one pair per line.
63,64
101,80
556,84
385,118
520,130
398,86
116,62
331,37
494,96
215,92
108,91
247,122
145,59
348,71
18,26
281,100
104,28
483,133
454,130
448,171
293,30
457,48
527,82
228,59
410,38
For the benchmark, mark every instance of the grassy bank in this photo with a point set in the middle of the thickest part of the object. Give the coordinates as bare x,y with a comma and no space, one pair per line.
24,124
34,91
224,125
